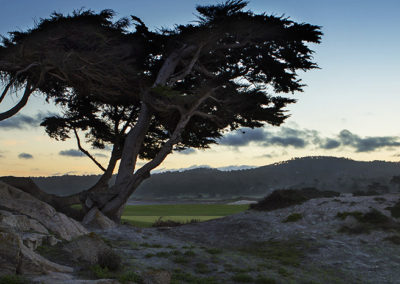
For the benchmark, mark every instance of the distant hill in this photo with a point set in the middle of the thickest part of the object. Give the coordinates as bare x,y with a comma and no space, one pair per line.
326,173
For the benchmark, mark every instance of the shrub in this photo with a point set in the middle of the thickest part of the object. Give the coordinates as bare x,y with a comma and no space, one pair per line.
372,220
171,223
100,272
213,251
13,279
189,253
394,239
109,259
395,210
369,192
180,260
130,277
286,252
202,268
282,198
264,280
242,278
293,218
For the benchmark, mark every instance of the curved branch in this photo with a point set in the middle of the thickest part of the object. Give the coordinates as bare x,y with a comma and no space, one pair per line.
181,75
86,152
5,91
28,91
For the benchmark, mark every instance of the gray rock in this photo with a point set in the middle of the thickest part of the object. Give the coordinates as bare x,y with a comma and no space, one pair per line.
96,220
157,277
86,248
15,257
16,200
21,223
9,253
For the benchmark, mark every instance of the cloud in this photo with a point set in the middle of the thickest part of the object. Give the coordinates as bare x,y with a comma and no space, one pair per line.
244,137
367,144
302,138
287,141
283,137
25,156
186,151
100,155
71,153
21,121
329,144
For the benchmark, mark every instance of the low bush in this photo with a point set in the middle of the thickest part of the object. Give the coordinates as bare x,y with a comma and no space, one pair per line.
282,198
369,192
394,239
13,279
371,220
265,280
171,223
293,218
109,259
242,278
395,210
100,272
130,277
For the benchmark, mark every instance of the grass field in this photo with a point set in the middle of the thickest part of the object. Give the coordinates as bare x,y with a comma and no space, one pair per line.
146,215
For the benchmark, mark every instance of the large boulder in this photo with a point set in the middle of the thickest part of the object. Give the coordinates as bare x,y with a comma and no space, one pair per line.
85,248
22,203
97,220
16,258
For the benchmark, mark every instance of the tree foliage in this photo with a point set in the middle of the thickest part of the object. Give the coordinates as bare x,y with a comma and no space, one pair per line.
175,88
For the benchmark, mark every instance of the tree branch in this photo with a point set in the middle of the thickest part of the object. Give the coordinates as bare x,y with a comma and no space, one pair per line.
181,75
170,63
133,143
28,91
5,91
86,152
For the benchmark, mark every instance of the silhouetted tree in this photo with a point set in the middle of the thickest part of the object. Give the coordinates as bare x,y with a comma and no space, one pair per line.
193,82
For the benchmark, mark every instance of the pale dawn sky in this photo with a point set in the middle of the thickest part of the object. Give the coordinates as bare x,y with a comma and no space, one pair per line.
349,107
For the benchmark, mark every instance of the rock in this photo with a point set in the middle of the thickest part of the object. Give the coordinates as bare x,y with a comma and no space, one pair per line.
157,277
16,200
95,219
21,223
34,240
16,258
9,253
86,248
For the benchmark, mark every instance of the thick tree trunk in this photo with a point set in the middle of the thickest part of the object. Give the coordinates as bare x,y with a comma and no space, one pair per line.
100,193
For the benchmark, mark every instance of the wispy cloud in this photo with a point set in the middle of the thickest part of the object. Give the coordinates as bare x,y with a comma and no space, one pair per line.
71,153
21,121
302,138
187,151
25,156
100,155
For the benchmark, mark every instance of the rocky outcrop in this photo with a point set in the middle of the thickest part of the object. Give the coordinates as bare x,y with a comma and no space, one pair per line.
96,220
85,248
25,224
16,258
22,203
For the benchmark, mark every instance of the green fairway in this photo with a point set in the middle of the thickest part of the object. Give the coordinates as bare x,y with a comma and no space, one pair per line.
145,215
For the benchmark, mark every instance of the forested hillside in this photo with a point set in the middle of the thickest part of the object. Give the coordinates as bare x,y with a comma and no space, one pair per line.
326,173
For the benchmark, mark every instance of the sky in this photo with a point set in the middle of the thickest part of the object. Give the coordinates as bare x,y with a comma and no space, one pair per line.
349,107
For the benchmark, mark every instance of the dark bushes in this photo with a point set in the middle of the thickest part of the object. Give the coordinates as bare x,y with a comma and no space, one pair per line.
109,259
282,198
